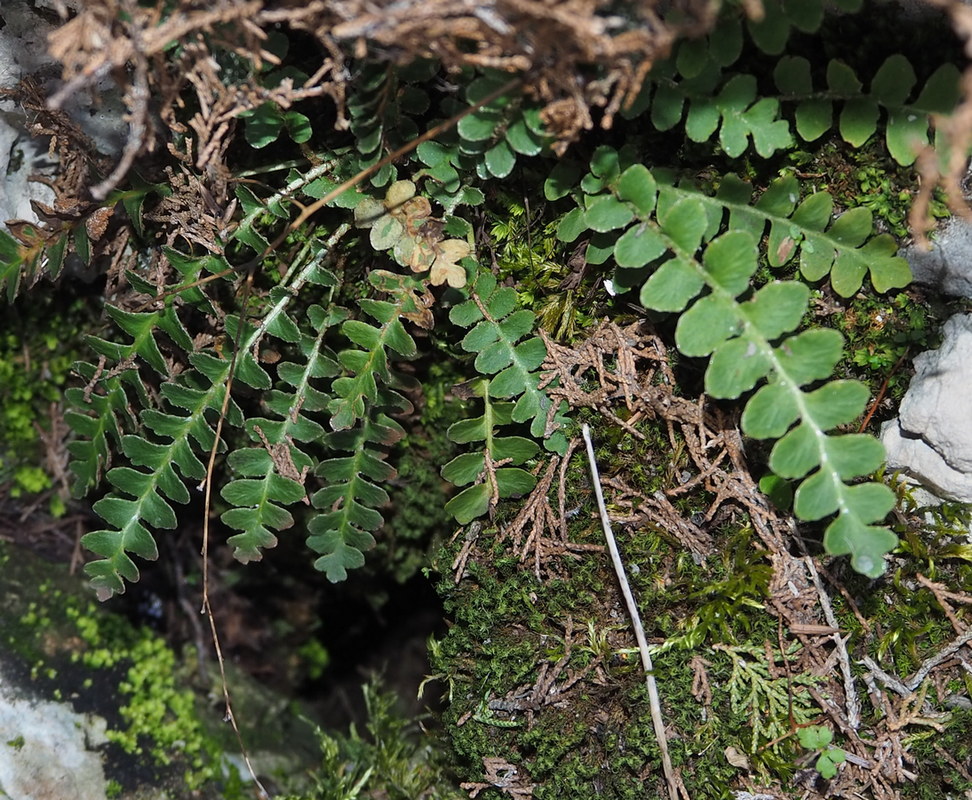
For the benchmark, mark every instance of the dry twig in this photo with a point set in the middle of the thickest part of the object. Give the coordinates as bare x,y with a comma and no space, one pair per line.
850,692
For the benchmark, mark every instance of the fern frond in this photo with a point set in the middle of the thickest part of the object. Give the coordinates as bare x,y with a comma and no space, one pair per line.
273,475
368,366
780,17
906,123
382,111
350,500
499,338
492,480
142,327
845,247
98,434
693,86
486,144
143,495
746,342
704,273
170,437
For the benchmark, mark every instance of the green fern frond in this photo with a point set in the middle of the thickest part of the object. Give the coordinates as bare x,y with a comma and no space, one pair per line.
273,474
845,247
486,144
693,86
906,123
143,495
746,342
703,271
258,502
368,366
487,469
172,434
780,17
499,337
383,111
350,500
98,434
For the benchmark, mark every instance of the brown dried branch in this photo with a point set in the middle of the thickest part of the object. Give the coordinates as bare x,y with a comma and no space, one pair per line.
942,596
840,648
947,168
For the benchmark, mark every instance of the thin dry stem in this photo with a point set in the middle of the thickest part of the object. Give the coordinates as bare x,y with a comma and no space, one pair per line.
207,607
850,691
654,702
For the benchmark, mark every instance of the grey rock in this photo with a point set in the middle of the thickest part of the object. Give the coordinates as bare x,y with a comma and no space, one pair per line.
99,113
23,51
931,441
49,752
947,266
917,461
98,110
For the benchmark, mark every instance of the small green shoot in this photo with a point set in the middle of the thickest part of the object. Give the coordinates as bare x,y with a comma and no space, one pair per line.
817,737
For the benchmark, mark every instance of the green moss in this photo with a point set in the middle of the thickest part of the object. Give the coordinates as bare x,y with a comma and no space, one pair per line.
315,658
937,775
418,496
529,257
44,338
391,759
76,648
883,333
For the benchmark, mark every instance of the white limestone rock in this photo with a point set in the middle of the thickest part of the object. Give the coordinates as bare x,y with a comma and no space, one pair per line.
931,441
99,113
50,752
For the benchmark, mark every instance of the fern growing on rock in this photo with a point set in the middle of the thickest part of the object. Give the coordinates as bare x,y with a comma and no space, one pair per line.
309,440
